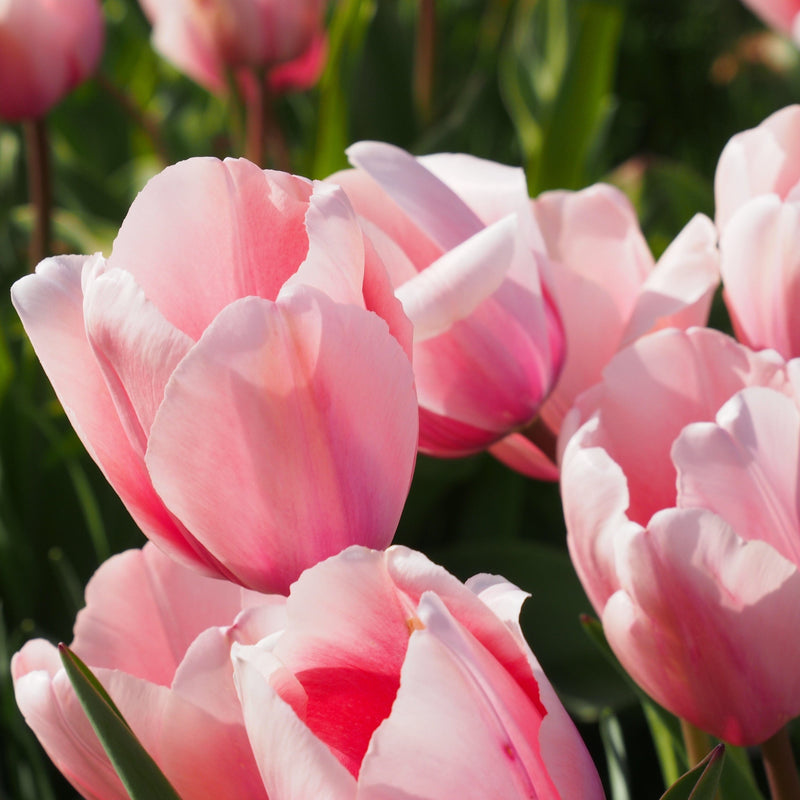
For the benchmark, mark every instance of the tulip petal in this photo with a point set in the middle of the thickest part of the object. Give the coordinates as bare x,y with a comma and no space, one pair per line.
48,703
311,427
294,764
136,348
761,272
745,467
523,456
50,304
678,292
143,610
200,214
698,600
684,376
450,683
430,203
452,287
763,160
596,501
335,259
345,641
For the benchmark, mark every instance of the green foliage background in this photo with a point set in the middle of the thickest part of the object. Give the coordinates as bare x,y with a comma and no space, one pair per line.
643,93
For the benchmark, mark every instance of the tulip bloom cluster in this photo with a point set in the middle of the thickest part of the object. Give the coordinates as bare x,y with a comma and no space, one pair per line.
380,676
240,368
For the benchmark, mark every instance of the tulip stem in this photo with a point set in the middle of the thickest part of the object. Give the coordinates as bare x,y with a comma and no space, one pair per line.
780,766
698,743
540,434
39,187
255,119
425,60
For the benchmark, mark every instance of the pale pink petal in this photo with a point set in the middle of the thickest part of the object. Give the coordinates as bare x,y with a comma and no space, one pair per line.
143,610
50,304
698,600
294,764
305,445
136,348
413,574
335,260
595,498
373,204
763,160
744,468
379,295
452,287
431,204
678,292
200,755
780,14
676,377
450,683
761,273
522,455
491,190
204,232
598,262
46,699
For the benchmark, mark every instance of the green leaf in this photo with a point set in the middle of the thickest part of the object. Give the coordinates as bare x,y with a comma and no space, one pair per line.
616,756
137,770
700,783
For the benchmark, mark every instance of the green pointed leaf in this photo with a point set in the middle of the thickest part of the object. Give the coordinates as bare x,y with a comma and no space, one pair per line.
135,767
700,783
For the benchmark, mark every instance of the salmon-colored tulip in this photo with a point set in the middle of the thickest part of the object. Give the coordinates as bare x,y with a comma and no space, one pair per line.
380,676
680,493
46,50
229,370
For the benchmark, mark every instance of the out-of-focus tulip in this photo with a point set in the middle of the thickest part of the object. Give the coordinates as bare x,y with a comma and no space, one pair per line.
206,40
225,370
757,189
46,50
783,15
609,292
381,676
681,497
485,371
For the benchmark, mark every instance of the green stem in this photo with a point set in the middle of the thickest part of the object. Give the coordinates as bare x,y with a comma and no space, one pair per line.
698,743
779,764
425,60
39,187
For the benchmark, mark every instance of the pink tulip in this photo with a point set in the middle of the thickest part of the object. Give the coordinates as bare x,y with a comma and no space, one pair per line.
486,350
381,676
680,494
783,15
225,370
158,637
758,213
609,292
46,50
206,40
